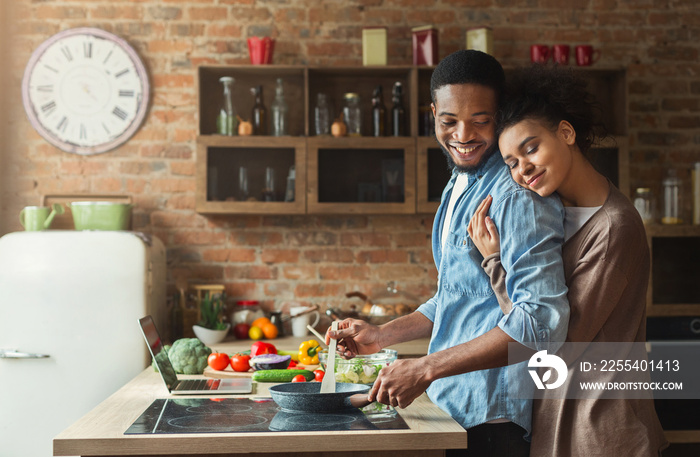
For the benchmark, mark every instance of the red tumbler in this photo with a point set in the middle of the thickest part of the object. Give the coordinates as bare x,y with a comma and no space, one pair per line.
260,50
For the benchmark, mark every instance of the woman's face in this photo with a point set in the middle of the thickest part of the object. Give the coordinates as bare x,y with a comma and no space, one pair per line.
538,159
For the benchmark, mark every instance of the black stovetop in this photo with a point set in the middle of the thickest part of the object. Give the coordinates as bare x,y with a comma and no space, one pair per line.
231,415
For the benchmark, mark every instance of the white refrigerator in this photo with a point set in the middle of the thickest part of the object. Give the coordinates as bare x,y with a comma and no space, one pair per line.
69,337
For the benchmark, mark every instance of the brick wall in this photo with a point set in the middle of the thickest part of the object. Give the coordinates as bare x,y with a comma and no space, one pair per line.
317,259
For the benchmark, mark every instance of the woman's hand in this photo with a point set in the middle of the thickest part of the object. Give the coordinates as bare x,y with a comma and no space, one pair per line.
483,231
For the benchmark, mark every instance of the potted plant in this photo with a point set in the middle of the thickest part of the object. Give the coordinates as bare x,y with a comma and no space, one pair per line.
211,328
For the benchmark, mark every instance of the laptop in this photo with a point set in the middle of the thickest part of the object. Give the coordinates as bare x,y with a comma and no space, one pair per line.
202,386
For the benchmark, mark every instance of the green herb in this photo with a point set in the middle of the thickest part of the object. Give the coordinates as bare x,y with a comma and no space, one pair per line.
212,310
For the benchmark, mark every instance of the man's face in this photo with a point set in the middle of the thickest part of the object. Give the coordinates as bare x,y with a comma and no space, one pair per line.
464,123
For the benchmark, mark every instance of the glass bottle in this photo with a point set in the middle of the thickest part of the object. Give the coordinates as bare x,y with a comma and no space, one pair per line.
352,115
672,199
259,115
644,204
378,113
227,121
269,189
243,193
398,113
291,178
279,111
322,115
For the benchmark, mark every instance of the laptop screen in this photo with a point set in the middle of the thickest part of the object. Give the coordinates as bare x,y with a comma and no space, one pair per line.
160,355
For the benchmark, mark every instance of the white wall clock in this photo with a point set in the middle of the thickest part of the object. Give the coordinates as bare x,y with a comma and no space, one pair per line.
85,90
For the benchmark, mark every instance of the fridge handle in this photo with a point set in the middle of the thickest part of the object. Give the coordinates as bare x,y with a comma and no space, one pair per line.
14,354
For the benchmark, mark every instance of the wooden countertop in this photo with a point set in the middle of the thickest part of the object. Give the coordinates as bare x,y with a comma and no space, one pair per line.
101,432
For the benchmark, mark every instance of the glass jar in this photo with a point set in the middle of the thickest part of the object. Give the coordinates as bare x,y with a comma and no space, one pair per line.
322,115
352,114
246,311
672,199
644,203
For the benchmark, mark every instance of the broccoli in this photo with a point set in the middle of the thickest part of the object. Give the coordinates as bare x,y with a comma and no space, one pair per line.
188,356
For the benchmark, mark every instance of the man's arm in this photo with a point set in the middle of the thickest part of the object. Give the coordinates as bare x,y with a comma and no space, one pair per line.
404,380
359,337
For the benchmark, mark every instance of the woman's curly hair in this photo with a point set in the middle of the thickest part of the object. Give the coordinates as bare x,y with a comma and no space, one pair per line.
551,94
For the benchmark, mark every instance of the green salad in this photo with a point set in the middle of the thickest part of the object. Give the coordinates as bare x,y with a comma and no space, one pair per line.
356,371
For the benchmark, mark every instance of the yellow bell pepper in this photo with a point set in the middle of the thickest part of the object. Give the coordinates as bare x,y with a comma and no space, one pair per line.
308,352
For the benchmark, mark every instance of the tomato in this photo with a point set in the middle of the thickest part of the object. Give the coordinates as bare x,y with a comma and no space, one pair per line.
218,361
240,362
292,364
318,375
299,378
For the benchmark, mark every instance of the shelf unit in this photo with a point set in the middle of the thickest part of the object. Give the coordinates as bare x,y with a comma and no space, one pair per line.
673,286
345,175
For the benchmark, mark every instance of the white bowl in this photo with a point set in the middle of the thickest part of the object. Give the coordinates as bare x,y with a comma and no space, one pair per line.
209,336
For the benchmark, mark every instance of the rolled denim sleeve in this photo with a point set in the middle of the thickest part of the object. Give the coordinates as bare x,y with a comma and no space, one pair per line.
532,233
428,309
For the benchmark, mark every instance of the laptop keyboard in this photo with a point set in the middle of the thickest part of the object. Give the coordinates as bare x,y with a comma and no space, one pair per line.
198,384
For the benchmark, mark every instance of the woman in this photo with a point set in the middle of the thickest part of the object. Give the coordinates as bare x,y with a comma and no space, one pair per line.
545,127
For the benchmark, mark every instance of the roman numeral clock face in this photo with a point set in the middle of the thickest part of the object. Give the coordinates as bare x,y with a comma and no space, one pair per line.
85,91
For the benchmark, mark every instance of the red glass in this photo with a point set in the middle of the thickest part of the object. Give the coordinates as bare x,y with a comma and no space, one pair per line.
260,50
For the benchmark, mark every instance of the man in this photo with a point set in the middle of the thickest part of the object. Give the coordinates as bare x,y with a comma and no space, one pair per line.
464,372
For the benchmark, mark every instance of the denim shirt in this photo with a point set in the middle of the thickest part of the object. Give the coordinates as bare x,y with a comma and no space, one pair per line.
464,307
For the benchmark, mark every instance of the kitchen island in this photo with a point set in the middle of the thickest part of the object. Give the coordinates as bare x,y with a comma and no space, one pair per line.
101,432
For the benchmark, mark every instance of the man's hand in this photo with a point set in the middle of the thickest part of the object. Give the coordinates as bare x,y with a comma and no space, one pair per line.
483,231
400,383
355,337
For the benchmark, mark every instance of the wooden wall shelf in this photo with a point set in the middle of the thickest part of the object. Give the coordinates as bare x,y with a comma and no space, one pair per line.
341,175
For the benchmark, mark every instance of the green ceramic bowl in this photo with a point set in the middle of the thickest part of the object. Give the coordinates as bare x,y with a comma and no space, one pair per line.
101,215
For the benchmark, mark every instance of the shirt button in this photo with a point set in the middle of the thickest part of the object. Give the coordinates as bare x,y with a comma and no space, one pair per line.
464,242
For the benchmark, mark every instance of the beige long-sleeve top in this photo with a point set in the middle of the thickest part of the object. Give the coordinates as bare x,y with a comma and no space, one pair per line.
606,264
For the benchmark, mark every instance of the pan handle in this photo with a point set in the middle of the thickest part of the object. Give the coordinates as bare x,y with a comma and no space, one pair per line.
359,400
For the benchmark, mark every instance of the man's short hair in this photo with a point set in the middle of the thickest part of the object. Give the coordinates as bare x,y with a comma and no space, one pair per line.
468,66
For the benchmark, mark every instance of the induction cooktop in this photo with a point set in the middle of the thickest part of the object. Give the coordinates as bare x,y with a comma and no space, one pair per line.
232,415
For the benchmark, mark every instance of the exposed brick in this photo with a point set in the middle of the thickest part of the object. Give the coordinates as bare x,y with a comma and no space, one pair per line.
299,272
365,239
173,185
680,104
382,256
261,272
209,13
328,255
280,258
198,237
343,273
325,289
684,122
662,138
279,255
165,12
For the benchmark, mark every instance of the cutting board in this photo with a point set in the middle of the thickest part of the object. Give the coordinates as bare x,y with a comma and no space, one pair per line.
229,373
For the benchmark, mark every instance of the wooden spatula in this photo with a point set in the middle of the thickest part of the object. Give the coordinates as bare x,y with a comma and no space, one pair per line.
328,383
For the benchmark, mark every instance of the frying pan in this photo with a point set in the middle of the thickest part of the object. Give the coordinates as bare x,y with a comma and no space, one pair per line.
307,397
